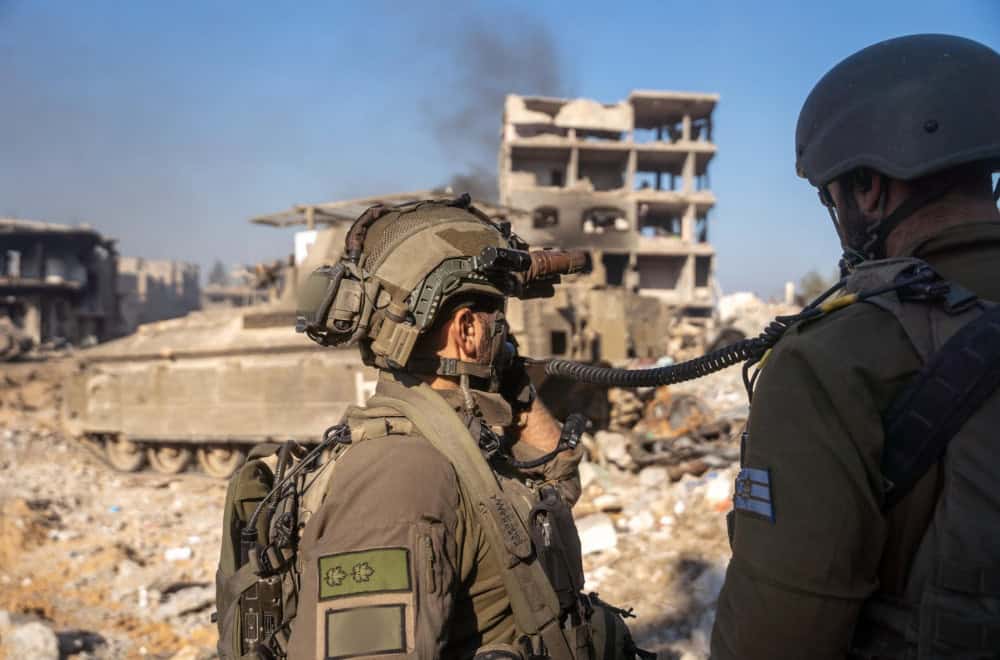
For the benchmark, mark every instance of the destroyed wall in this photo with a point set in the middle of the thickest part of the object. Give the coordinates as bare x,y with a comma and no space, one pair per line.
155,290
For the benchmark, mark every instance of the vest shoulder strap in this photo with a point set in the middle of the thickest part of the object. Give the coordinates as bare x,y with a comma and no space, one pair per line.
533,601
952,386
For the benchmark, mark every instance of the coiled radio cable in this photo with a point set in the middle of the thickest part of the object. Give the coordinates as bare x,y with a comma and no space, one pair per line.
749,351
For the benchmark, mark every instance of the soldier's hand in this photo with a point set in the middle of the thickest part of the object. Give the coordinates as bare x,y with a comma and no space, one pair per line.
516,387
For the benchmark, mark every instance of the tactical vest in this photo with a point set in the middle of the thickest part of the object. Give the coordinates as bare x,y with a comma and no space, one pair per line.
951,603
511,514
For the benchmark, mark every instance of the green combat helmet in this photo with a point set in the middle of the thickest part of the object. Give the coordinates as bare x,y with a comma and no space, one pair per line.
403,265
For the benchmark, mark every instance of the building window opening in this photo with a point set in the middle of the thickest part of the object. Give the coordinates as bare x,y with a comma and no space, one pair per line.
536,130
615,266
654,180
702,271
539,167
605,170
701,229
659,272
669,133
545,216
604,219
701,129
558,343
10,264
654,222
588,135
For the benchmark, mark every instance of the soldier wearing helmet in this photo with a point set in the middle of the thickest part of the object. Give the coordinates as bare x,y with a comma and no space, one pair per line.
439,526
865,513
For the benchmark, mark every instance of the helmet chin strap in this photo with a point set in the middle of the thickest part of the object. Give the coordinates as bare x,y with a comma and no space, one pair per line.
850,257
878,232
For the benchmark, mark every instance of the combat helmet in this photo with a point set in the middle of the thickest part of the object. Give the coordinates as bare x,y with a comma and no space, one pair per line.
403,266
906,108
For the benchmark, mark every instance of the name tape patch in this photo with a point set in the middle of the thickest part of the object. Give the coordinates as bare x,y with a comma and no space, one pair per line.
365,631
752,493
364,572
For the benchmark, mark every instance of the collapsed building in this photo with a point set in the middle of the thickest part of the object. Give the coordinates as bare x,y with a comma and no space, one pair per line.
57,285
628,182
67,285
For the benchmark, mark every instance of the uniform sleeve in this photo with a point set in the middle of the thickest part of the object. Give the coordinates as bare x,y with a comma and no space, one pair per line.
809,534
379,556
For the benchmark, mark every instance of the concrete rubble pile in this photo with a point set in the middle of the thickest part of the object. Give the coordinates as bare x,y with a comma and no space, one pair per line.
97,564
654,533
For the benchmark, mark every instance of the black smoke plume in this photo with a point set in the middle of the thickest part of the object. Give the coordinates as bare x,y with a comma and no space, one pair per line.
488,60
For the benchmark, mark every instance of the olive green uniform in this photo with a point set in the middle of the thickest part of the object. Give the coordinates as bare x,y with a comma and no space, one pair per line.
796,585
396,558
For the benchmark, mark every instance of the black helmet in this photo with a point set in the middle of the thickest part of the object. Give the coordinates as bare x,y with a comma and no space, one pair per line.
905,107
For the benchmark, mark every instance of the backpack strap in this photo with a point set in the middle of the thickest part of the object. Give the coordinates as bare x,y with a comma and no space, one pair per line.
953,384
533,601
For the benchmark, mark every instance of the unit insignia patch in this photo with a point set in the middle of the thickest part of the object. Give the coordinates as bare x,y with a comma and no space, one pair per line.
368,571
752,493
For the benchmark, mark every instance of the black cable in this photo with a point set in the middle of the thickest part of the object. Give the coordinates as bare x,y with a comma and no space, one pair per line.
750,351
333,435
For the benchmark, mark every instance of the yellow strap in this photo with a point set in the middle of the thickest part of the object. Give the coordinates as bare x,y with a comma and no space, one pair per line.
838,302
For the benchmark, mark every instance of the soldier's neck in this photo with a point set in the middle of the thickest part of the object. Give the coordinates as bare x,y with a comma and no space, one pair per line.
934,217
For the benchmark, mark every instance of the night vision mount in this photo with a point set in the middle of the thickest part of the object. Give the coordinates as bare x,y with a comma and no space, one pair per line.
336,302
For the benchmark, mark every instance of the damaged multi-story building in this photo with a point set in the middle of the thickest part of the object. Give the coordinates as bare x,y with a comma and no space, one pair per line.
66,284
629,182
57,284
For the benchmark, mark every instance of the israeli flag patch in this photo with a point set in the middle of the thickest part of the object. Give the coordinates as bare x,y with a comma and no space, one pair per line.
752,493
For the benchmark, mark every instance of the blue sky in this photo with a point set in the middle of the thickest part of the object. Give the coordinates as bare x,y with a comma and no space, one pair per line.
168,124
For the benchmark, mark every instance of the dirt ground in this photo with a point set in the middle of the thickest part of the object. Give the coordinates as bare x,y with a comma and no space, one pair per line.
122,566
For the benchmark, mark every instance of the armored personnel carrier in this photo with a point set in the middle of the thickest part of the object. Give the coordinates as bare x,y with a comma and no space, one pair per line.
208,386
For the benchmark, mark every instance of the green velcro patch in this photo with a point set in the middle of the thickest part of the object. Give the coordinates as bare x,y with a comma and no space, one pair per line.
365,631
364,572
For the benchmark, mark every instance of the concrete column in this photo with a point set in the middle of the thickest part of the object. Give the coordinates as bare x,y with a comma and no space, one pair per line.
633,159
33,319
310,217
687,224
573,169
685,285
687,174
686,128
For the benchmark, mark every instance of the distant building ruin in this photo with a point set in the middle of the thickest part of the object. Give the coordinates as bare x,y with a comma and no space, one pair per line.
156,289
243,287
63,284
57,282
628,181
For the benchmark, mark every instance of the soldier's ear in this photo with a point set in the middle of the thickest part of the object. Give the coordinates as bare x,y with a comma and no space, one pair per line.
869,187
466,333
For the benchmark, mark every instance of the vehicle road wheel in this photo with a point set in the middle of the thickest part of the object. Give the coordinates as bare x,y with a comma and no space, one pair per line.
169,459
220,462
123,454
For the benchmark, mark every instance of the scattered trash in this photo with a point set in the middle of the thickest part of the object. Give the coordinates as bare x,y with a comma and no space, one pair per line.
597,533
31,640
177,554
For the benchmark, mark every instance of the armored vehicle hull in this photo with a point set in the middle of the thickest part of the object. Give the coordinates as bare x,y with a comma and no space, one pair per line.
206,387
